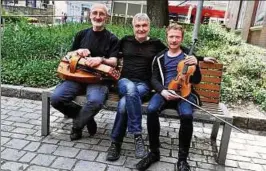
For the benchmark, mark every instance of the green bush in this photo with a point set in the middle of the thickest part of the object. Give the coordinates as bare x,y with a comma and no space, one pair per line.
30,56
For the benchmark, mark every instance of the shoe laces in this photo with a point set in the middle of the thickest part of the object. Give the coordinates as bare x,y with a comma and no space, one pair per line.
139,142
112,149
146,160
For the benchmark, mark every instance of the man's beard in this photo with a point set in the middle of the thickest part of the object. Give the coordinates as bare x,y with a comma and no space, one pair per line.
97,24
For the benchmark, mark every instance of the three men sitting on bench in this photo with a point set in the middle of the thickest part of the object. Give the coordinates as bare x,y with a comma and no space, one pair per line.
137,80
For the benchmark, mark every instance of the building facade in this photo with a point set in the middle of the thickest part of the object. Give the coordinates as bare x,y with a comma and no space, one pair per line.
248,18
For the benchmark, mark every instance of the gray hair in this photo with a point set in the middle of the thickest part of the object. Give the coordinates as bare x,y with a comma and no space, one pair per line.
99,5
141,17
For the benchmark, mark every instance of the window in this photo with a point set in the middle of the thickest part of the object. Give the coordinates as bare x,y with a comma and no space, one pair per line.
241,14
119,8
260,13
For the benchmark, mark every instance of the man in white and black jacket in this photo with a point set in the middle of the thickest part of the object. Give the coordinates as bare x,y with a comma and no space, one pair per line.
164,70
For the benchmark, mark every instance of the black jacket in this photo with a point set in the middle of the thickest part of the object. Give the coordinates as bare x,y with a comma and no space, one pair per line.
157,80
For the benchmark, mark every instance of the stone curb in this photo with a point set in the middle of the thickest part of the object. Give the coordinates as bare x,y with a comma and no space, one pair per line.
258,124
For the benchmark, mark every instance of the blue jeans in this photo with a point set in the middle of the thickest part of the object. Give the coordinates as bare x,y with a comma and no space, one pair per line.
184,109
65,92
129,113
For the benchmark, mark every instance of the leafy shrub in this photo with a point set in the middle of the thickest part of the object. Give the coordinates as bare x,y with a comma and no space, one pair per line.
30,56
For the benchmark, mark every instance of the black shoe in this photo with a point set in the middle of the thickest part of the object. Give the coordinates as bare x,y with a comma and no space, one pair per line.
76,134
147,161
113,152
92,127
183,166
140,151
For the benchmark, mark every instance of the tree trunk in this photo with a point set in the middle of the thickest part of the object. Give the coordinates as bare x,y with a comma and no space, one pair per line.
158,12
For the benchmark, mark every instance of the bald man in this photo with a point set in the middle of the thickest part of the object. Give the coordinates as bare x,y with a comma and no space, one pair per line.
102,47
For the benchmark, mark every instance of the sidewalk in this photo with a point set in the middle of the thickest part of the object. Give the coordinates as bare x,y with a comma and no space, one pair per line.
23,147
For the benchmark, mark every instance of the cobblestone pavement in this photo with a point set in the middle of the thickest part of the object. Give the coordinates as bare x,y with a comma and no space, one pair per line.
23,147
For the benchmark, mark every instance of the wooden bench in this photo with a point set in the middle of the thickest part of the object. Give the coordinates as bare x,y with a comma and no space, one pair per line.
209,90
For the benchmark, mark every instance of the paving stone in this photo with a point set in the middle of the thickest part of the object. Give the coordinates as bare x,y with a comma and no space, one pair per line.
11,154
43,160
28,110
83,146
250,166
168,159
238,158
162,166
247,153
24,131
27,157
128,146
4,140
23,125
50,140
87,155
13,166
18,136
16,119
92,141
99,148
66,143
206,166
16,143
34,122
5,134
116,168
106,143
33,146
66,151
196,157
31,116
231,163
7,128
3,122
47,148
131,162
17,113
33,138
102,158
91,166
40,168
64,163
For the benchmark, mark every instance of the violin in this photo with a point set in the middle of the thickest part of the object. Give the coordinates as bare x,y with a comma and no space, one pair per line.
180,84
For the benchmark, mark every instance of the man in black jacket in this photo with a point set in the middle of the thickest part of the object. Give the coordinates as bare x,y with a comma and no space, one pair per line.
138,52
102,46
164,70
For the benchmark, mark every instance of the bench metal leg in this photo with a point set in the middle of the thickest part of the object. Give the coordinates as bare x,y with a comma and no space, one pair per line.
215,129
224,144
45,113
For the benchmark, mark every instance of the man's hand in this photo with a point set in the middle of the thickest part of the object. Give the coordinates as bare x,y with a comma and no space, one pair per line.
93,61
83,52
210,60
169,94
191,60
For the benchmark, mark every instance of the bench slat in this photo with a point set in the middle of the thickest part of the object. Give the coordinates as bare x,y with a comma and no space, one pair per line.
204,99
207,87
211,72
209,94
210,65
208,79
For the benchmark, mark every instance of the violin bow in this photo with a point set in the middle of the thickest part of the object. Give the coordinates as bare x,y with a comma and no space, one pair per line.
210,113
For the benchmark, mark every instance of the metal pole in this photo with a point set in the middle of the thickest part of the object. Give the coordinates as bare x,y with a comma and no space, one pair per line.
197,21
112,11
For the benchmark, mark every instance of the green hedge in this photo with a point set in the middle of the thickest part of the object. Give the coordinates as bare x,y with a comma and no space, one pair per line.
30,56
